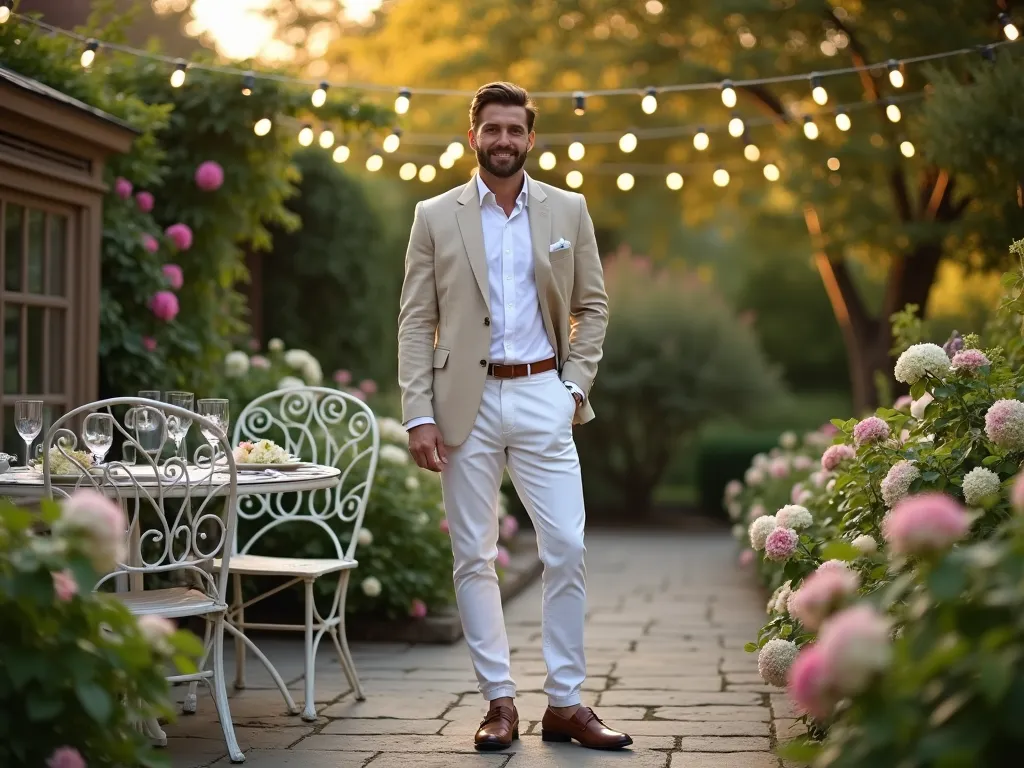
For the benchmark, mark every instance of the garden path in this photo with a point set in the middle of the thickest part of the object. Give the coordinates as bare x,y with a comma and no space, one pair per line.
669,615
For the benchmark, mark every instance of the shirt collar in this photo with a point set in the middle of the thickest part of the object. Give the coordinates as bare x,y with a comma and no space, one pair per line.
523,197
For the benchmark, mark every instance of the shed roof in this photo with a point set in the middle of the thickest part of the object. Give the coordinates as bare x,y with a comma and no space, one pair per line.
34,87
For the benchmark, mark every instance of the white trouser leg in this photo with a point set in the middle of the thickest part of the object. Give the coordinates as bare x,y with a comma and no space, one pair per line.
470,483
545,469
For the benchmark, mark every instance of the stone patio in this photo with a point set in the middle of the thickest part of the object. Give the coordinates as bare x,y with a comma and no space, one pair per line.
669,615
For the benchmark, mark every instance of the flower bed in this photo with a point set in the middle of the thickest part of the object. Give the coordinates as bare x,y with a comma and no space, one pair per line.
894,549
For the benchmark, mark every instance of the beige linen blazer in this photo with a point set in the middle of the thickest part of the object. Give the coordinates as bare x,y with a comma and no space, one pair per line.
444,333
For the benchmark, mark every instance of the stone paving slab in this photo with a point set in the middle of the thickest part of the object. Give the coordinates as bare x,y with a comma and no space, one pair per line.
668,616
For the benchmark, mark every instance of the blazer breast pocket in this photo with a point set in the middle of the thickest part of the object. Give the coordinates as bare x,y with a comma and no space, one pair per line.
563,256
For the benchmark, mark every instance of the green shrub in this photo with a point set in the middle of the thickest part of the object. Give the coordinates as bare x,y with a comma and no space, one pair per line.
77,670
723,456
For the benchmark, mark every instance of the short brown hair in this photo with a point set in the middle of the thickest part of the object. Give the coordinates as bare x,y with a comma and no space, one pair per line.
506,94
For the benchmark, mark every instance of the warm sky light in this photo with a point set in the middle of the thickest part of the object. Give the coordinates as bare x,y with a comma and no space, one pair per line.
240,31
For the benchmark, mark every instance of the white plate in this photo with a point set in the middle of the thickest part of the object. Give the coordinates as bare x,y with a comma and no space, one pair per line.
262,467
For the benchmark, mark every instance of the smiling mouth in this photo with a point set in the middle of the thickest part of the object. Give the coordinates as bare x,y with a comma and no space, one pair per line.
503,155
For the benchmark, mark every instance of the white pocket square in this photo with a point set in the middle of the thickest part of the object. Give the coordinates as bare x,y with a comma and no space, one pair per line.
561,245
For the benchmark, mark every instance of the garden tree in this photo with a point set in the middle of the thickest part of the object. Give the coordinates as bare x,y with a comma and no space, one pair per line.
891,213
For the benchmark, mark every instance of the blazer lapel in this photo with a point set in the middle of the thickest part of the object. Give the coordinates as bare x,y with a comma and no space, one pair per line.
472,229
540,237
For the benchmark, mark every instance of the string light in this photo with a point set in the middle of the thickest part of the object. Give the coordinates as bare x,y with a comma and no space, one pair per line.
833,163
263,126
736,126
548,160
625,181
178,75
428,173
771,172
402,101
843,120
456,150
5,11
574,179
374,162
581,103
701,140
751,152
893,113
818,92
306,135
577,151
674,181
728,94
907,148
649,104
446,161
895,75
407,172
89,54
341,153
721,177
810,128
327,138
248,83
1009,28
319,97
628,142
392,141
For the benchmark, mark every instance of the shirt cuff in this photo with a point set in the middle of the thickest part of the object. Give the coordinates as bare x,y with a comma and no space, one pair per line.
574,389
417,422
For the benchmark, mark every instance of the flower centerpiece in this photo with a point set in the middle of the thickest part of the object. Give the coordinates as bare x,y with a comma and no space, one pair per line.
261,452
66,461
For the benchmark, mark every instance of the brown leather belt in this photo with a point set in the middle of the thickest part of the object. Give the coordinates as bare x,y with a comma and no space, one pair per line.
501,371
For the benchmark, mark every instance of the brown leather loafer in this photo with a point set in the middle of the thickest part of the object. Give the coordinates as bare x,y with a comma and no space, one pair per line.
497,730
585,727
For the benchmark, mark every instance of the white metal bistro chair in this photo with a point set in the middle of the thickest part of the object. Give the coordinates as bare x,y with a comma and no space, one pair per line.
175,527
323,426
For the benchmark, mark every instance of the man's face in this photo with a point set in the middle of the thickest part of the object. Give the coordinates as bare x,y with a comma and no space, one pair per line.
501,140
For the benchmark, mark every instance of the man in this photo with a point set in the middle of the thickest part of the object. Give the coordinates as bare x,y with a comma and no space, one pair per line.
502,320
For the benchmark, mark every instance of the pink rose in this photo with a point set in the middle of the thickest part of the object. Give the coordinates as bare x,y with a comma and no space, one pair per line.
418,609
343,377
150,243
368,386
443,525
503,559
209,176
180,235
175,277
123,188
164,305
65,757
144,200
64,585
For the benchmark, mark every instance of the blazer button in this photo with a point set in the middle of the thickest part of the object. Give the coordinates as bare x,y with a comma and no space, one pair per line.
483,363
487,321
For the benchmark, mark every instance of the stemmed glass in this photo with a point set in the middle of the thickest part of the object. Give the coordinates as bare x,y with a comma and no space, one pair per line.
178,426
28,419
98,433
147,425
216,410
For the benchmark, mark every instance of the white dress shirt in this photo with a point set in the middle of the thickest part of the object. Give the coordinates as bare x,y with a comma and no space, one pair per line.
517,327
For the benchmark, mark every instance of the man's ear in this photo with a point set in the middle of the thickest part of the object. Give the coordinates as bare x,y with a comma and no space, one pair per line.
472,139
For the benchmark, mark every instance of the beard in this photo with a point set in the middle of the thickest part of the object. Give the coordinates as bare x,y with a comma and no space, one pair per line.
502,168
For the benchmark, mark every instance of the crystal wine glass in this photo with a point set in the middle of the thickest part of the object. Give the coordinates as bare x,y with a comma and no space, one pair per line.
28,419
98,434
178,426
216,410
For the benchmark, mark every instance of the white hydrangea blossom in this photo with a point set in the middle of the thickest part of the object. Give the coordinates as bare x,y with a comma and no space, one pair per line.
921,359
775,659
365,537
412,483
979,483
392,454
392,431
275,345
290,382
788,440
779,602
753,476
794,516
761,461
236,364
759,530
865,544
371,586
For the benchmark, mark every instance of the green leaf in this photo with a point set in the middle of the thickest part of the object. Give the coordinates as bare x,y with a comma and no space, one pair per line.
839,550
948,580
41,706
786,631
750,647
95,700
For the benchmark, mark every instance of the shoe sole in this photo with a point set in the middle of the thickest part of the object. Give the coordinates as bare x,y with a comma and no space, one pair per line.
488,746
561,738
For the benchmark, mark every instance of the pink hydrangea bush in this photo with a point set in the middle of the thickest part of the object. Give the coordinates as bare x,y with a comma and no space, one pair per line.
781,544
835,455
1004,424
822,593
870,430
925,523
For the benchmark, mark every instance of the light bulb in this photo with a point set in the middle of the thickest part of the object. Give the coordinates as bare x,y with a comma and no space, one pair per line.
402,101
752,153
771,172
833,163
248,83
262,127
327,138
736,127
907,148
895,76
320,95
674,181
391,142
548,160
89,54
649,104
427,173
818,92
625,181
178,75
5,14
628,142
574,179
701,140
341,153
456,150
306,135
579,102
721,177
810,128
1009,28
728,94
893,113
577,151
374,163
407,172
843,120
446,161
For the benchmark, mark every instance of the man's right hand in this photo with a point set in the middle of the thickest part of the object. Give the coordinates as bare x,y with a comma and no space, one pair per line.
427,447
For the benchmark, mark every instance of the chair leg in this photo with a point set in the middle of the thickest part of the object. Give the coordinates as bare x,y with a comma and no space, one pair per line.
340,638
239,615
309,708
274,674
220,692
191,703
